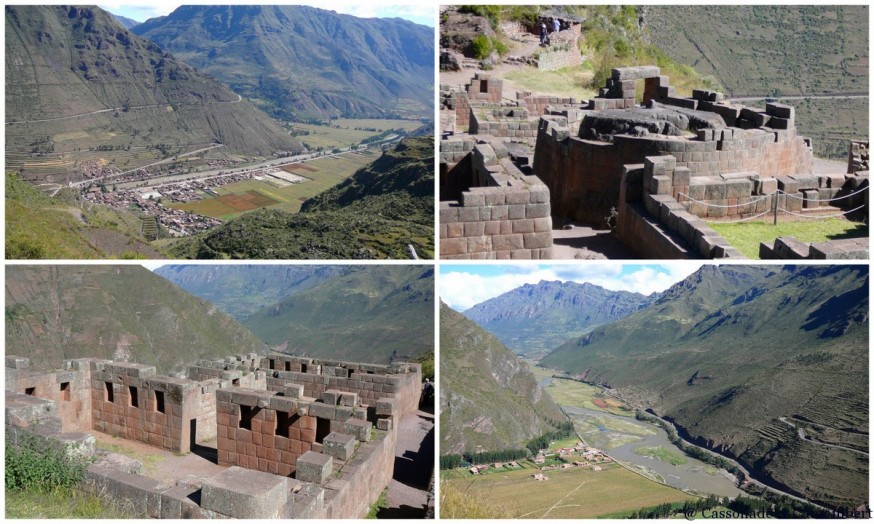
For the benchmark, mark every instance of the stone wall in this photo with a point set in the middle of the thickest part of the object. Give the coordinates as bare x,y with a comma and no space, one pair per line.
339,473
584,175
563,51
506,215
69,389
369,382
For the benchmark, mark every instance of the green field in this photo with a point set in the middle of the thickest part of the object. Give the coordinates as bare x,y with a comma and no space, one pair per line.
746,236
247,195
343,132
573,393
570,493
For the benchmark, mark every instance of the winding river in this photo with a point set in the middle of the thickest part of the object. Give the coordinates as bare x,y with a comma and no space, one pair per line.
691,476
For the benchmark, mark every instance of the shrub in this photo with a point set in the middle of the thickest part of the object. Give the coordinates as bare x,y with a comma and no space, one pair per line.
482,47
33,465
491,12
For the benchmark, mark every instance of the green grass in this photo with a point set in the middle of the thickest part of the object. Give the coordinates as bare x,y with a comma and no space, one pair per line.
746,236
660,453
61,504
566,82
150,462
571,493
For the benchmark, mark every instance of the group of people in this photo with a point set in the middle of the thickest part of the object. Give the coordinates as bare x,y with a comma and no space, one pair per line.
556,27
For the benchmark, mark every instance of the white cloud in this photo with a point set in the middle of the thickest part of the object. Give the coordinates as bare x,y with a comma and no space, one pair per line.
464,289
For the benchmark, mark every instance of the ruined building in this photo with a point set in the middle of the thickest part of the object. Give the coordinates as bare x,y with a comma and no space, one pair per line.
295,437
653,171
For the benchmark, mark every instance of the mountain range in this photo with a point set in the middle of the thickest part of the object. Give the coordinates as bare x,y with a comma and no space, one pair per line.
241,290
740,358
489,399
77,80
55,313
300,62
536,318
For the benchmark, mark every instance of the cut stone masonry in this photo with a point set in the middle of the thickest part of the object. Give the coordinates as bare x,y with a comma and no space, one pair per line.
297,435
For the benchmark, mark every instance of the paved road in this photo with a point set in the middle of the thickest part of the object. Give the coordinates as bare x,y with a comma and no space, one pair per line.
745,471
803,436
238,100
799,97
88,182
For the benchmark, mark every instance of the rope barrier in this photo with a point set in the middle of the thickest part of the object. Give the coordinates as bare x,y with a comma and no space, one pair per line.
723,207
820,217
743,219
822,200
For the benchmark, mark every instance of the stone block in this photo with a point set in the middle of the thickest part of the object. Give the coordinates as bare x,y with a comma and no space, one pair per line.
384,424
537,240
245,494
660,185
314,467
386,407
176,503
765,186
779,110
360,429
349,399
339,445
537,210
682,176
331,397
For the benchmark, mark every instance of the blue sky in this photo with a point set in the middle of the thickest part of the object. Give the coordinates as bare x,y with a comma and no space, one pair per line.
464,285
418,12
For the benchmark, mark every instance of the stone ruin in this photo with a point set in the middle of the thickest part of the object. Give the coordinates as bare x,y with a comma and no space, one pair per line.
298,437
654,170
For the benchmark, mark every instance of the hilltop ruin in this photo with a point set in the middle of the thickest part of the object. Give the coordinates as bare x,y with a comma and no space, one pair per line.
294,437
651,171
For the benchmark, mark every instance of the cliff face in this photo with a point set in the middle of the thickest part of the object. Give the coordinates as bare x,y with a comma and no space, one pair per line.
488,397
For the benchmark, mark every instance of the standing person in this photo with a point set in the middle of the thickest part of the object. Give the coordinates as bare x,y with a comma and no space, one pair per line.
542,32
556,25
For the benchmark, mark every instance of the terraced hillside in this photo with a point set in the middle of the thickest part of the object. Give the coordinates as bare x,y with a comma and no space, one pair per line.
774,51
81,89
114,312
489,399
768,365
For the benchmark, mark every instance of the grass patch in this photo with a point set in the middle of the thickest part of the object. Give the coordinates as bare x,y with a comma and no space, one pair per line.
381,503
660,453
566,82
60,504
150,462
746,236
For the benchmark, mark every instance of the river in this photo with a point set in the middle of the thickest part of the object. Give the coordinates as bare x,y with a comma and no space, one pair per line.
691,476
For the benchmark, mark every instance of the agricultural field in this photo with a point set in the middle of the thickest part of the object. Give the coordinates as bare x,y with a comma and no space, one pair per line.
569,493
240,197
579,394
346,132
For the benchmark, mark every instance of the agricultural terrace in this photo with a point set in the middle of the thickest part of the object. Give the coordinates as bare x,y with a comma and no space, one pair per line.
567,493
345,132
275,193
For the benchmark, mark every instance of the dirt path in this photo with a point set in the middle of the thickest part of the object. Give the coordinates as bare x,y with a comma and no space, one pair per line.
414,467
583,242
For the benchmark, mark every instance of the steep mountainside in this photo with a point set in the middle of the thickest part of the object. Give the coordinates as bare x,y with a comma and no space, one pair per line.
77,80
539,317
240,290
488,397
735,355
301,62
372,314
376,213
39,226
778,50
118,312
